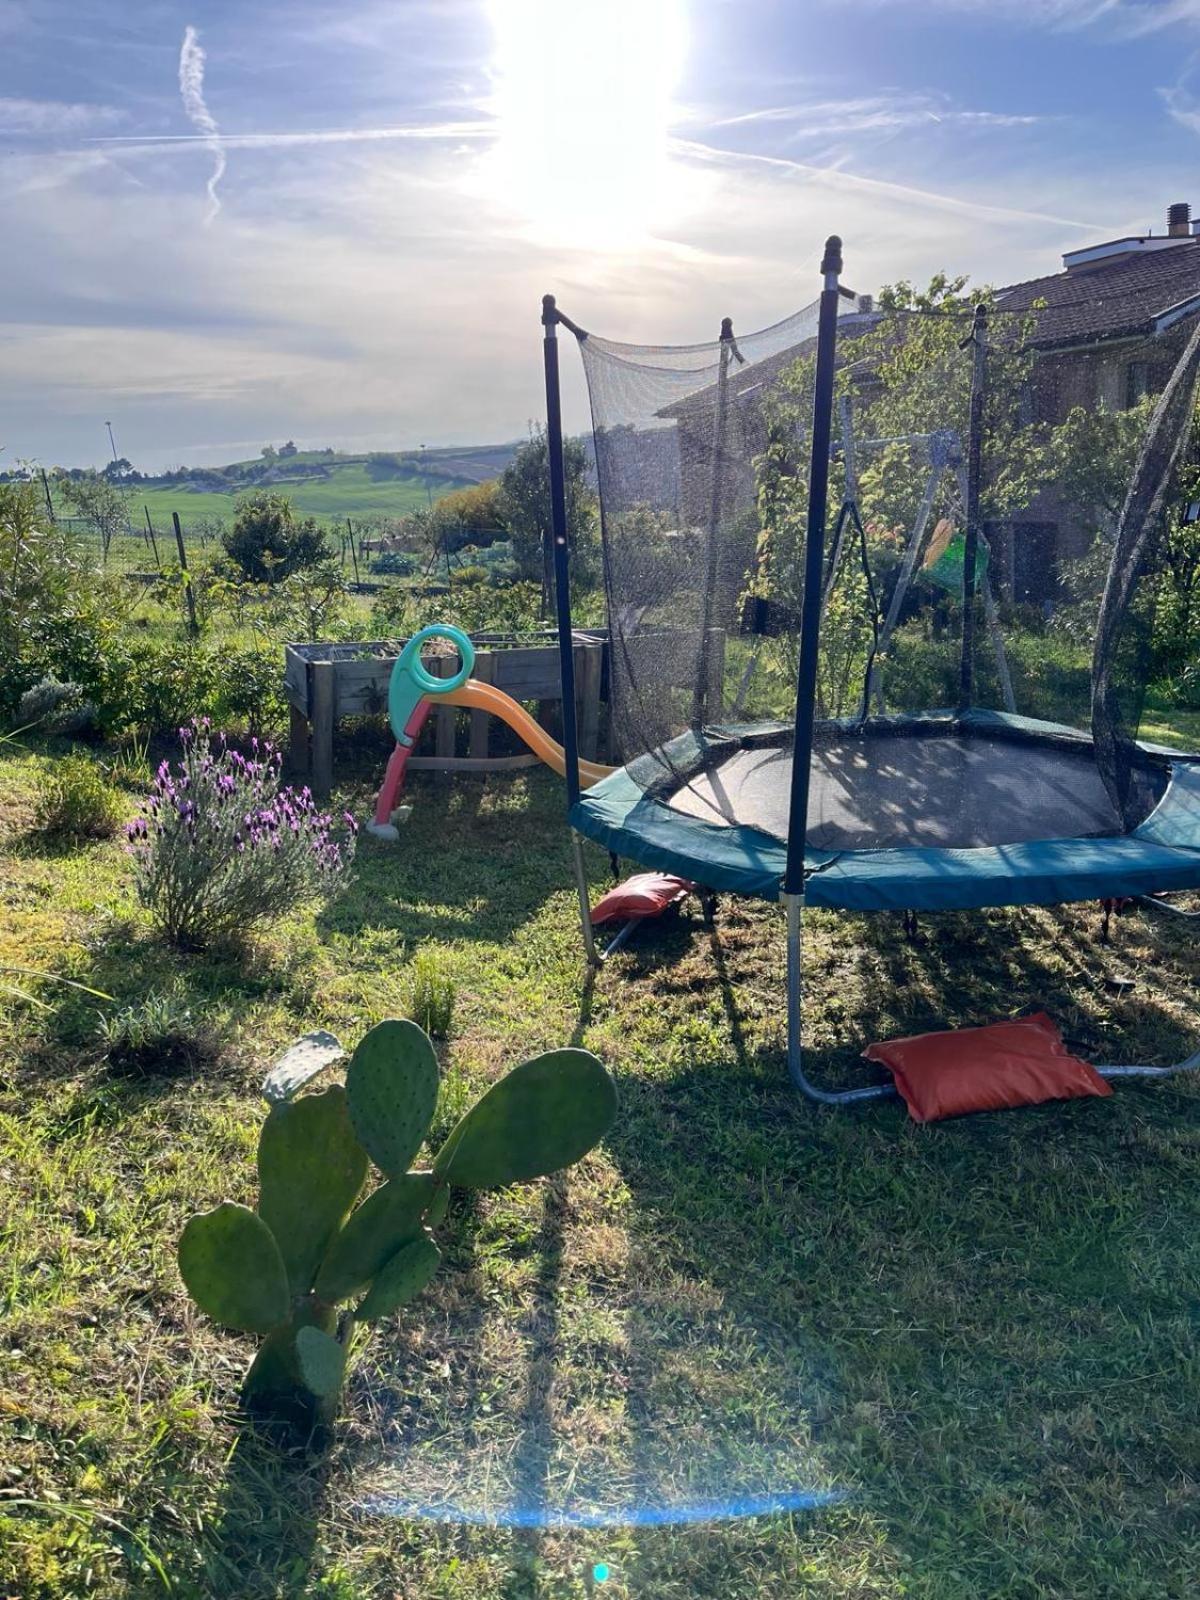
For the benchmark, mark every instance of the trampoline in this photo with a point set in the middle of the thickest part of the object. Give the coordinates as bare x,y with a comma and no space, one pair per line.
716,466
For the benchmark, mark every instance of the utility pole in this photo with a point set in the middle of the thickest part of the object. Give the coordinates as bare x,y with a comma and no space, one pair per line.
111,440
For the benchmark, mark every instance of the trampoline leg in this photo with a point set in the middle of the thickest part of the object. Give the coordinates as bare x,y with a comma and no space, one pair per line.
1189,1064
585,908
1167,909
794,906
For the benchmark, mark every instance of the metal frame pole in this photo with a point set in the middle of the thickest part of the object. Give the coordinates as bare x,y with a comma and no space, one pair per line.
806,687
558,533
814,566
551,317
978,343
701,709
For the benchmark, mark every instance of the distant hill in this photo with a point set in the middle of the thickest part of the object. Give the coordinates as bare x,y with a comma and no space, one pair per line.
328,484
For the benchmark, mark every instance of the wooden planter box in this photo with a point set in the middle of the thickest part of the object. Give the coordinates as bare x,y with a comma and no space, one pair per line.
326,682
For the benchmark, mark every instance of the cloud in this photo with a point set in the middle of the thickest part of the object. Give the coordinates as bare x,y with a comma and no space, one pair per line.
41,119
191,88
316,136
870,114
1126,18
924,198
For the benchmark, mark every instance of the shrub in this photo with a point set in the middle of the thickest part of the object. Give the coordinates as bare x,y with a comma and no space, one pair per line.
58,616
55,707
75,801
249,688
268,543
224,847
158,1036
432,992
466,576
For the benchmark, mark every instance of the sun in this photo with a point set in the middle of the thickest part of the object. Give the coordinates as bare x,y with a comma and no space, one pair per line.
583,102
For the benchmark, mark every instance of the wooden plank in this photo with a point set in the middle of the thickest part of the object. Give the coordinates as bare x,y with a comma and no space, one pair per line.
446,716
452,764
481,721
322,728
587,697
295,679
298,758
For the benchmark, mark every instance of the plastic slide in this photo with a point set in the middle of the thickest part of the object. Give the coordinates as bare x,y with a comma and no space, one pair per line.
483,697
411,694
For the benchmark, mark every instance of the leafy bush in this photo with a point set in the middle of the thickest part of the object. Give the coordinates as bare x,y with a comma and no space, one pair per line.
158,1036
286,1270
310,604
249,688
432,992
58,617
268,544
393,564
224,847
75,801
163,685
54,707
466,577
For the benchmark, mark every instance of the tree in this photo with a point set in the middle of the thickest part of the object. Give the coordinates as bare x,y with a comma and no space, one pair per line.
120,471
96,500
266,541
524,507
469,516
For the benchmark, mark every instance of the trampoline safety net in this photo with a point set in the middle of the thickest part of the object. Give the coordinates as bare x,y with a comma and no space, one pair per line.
998,540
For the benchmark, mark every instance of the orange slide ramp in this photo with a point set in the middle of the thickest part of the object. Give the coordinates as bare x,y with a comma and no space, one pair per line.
483,697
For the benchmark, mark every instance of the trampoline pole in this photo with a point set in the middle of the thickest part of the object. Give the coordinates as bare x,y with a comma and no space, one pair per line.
558,532
978,343
794,906
814,567
585,905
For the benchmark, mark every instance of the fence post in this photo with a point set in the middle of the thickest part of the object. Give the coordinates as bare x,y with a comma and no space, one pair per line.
353,552
153,540
187,584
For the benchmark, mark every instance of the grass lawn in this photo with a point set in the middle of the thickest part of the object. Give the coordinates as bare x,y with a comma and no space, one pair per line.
980,1338
348,492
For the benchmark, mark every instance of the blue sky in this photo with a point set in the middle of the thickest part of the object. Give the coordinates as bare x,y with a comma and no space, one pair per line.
228,224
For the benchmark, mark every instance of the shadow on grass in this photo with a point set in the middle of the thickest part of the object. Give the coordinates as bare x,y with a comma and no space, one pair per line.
940,1315
475,860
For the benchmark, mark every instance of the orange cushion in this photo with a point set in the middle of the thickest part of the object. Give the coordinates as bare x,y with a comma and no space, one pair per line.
646,894
1018,1063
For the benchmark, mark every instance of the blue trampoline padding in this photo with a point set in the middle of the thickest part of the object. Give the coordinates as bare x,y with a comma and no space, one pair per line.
1163,853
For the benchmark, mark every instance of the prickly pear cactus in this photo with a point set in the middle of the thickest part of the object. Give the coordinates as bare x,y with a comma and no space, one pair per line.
309,1268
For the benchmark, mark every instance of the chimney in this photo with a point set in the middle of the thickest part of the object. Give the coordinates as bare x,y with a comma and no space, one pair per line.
1179,220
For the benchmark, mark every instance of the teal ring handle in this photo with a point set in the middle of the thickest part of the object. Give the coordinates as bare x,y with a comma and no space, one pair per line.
411,682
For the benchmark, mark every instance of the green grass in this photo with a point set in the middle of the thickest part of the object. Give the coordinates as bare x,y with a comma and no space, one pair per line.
348,492
981,1334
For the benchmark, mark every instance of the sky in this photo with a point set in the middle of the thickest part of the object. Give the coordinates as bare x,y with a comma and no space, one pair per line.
229,223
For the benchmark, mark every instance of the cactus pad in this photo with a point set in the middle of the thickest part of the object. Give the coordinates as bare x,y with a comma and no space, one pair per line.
310,1171
322,1362
544,1115
392,1085
402,1279
233,1270
385,1220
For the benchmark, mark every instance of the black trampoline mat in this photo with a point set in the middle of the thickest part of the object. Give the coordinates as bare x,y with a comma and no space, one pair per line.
887,791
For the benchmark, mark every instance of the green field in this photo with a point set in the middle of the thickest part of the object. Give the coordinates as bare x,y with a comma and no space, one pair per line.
348,492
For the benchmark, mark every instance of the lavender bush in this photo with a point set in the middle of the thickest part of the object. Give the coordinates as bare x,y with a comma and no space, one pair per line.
222,846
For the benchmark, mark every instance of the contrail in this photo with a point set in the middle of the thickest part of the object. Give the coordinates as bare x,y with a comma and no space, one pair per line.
191,88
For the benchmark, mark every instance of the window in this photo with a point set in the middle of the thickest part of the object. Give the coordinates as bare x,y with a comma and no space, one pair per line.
1138,380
